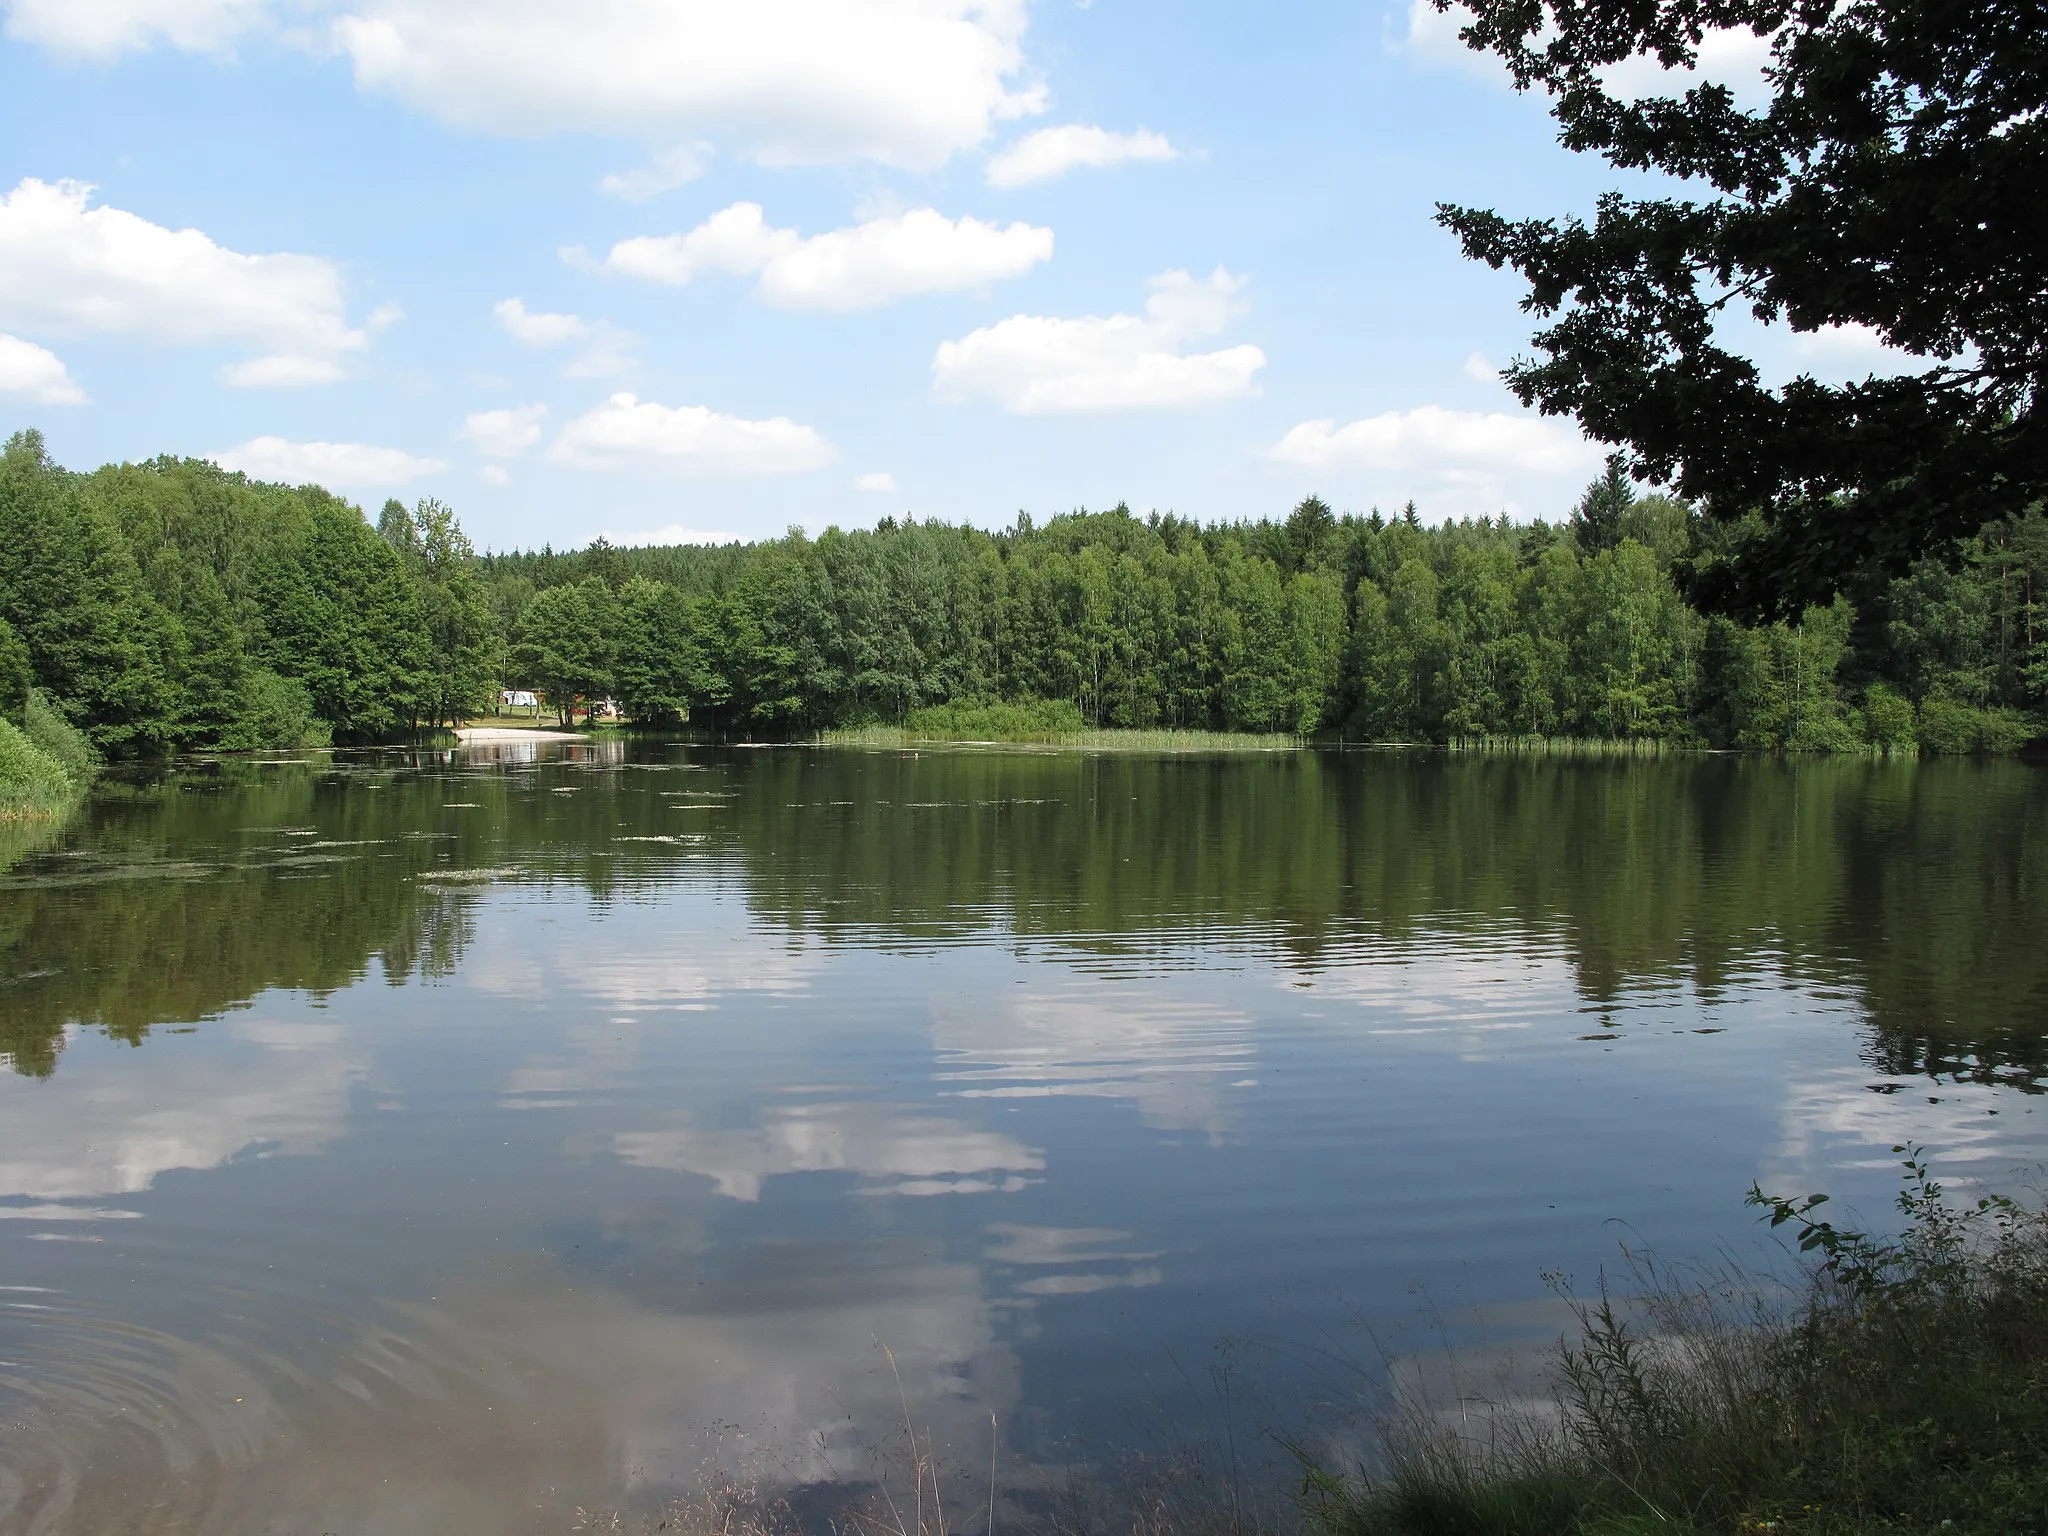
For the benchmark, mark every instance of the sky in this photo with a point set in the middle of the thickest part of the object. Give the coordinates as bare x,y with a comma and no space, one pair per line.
665,270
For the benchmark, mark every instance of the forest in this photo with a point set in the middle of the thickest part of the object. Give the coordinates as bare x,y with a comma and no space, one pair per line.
172,606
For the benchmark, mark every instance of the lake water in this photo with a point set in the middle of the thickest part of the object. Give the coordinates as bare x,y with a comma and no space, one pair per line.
451,1141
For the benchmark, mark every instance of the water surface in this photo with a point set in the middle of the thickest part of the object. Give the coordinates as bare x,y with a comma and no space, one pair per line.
422,1142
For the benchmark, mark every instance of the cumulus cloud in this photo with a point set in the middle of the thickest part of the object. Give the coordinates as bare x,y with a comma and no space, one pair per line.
606,351
1031,364
72,268
104,28
906,82
782,82
351,464
1053,152
880,480
1480,458
36,372
506,433
691,438
884,258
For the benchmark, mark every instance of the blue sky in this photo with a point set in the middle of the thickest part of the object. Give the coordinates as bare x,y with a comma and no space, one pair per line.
559,263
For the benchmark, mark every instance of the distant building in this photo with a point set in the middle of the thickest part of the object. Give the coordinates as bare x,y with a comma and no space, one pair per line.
518,698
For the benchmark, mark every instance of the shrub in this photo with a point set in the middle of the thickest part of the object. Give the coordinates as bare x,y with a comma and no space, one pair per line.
1887,719
1951,729
1822,729
275,712
53,733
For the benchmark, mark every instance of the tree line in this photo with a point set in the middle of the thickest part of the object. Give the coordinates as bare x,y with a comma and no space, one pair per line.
174,606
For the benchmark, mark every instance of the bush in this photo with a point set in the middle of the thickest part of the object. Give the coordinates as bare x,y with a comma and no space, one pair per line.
1902,1391
1822,729
1887,719
275,712
1951,729
1028,720
47,726
32,782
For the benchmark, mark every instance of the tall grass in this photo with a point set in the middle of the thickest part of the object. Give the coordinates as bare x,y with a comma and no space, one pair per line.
1904,1388
33,784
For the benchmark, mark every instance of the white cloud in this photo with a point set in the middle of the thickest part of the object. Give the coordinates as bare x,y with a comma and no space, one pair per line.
1477,367
281,370
1479,458
538,330
103,28
607,350
37,372
884,258
352,464
504,434
669,535
691,438
384,316
880,480
1053,152
1430,436
668,170
906,82
494,474
73,268
1033,363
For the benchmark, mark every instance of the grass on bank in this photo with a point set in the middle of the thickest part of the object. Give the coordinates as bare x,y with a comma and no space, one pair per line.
45,762
1041,722
1905,1390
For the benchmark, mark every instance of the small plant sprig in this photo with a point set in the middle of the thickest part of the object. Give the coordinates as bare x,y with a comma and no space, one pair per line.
1931,1253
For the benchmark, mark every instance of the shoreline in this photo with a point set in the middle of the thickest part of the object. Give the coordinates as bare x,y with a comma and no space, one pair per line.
498,735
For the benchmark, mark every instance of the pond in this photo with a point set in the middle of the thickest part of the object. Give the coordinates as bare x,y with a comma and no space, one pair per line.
459,1140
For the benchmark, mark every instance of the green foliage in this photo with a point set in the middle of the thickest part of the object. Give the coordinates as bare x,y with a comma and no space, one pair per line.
1948,728
166,605
273,712
16,675
1596,521
44,725
1887,719
1891,181
567,644
1027,720
33,784
1902,1392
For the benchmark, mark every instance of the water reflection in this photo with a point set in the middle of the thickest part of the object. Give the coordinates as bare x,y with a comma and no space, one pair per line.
894,1149
506,1122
